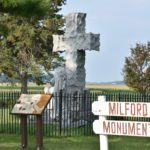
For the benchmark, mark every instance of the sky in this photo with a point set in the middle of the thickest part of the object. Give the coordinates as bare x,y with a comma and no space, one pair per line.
121,24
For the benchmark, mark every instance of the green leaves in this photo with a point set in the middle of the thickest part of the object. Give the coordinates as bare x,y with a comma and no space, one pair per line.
10,3
3,30
25,8
26,37
137,68
36,9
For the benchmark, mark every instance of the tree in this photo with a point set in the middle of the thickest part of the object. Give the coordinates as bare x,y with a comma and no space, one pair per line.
26,37
137,68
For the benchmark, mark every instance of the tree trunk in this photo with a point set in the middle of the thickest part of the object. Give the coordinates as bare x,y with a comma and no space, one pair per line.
24,80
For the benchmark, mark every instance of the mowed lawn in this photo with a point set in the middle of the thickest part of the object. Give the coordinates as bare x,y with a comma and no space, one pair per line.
12,142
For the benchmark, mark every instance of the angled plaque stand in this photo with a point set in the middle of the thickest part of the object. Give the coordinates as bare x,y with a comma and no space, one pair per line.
31,104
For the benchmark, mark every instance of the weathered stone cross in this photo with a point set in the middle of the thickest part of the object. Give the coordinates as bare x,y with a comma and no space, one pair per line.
74,42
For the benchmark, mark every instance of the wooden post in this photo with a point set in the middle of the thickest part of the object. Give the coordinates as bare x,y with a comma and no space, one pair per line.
23,127
35,106
103,138
39,132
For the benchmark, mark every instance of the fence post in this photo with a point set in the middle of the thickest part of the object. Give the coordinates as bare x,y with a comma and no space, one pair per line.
103,138
60,112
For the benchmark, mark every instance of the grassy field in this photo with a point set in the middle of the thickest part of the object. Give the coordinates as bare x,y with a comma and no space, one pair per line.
12,142
108,86
10,87
33,86
79,142
71,143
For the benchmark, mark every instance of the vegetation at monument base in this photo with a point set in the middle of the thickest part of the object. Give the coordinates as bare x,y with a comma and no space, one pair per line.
26,30
137,68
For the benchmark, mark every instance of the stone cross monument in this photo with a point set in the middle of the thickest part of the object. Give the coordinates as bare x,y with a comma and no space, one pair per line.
74,42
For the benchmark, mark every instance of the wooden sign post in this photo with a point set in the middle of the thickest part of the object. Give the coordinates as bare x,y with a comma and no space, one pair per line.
103,138
112,127
31,104
23,128
39,132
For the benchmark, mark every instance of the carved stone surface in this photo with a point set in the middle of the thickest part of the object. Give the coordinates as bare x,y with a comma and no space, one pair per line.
60,79
71,78
75,41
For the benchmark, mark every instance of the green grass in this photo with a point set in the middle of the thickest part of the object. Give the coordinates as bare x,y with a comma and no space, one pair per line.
128,143
12,142
70,143
9,88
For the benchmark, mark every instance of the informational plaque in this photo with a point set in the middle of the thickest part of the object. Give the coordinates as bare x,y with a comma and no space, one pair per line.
31,104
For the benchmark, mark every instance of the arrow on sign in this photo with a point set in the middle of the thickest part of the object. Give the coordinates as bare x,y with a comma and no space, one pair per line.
98,108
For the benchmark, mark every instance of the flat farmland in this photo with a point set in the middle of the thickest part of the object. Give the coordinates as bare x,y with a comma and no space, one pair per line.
17,87
32,86
108,86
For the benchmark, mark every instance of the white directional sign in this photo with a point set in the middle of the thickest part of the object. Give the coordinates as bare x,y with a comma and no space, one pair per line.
131,109
111,127
126,128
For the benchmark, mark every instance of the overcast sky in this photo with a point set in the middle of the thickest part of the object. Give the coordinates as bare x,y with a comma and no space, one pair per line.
121,24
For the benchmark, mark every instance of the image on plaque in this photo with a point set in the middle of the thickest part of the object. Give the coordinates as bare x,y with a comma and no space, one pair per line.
31,104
